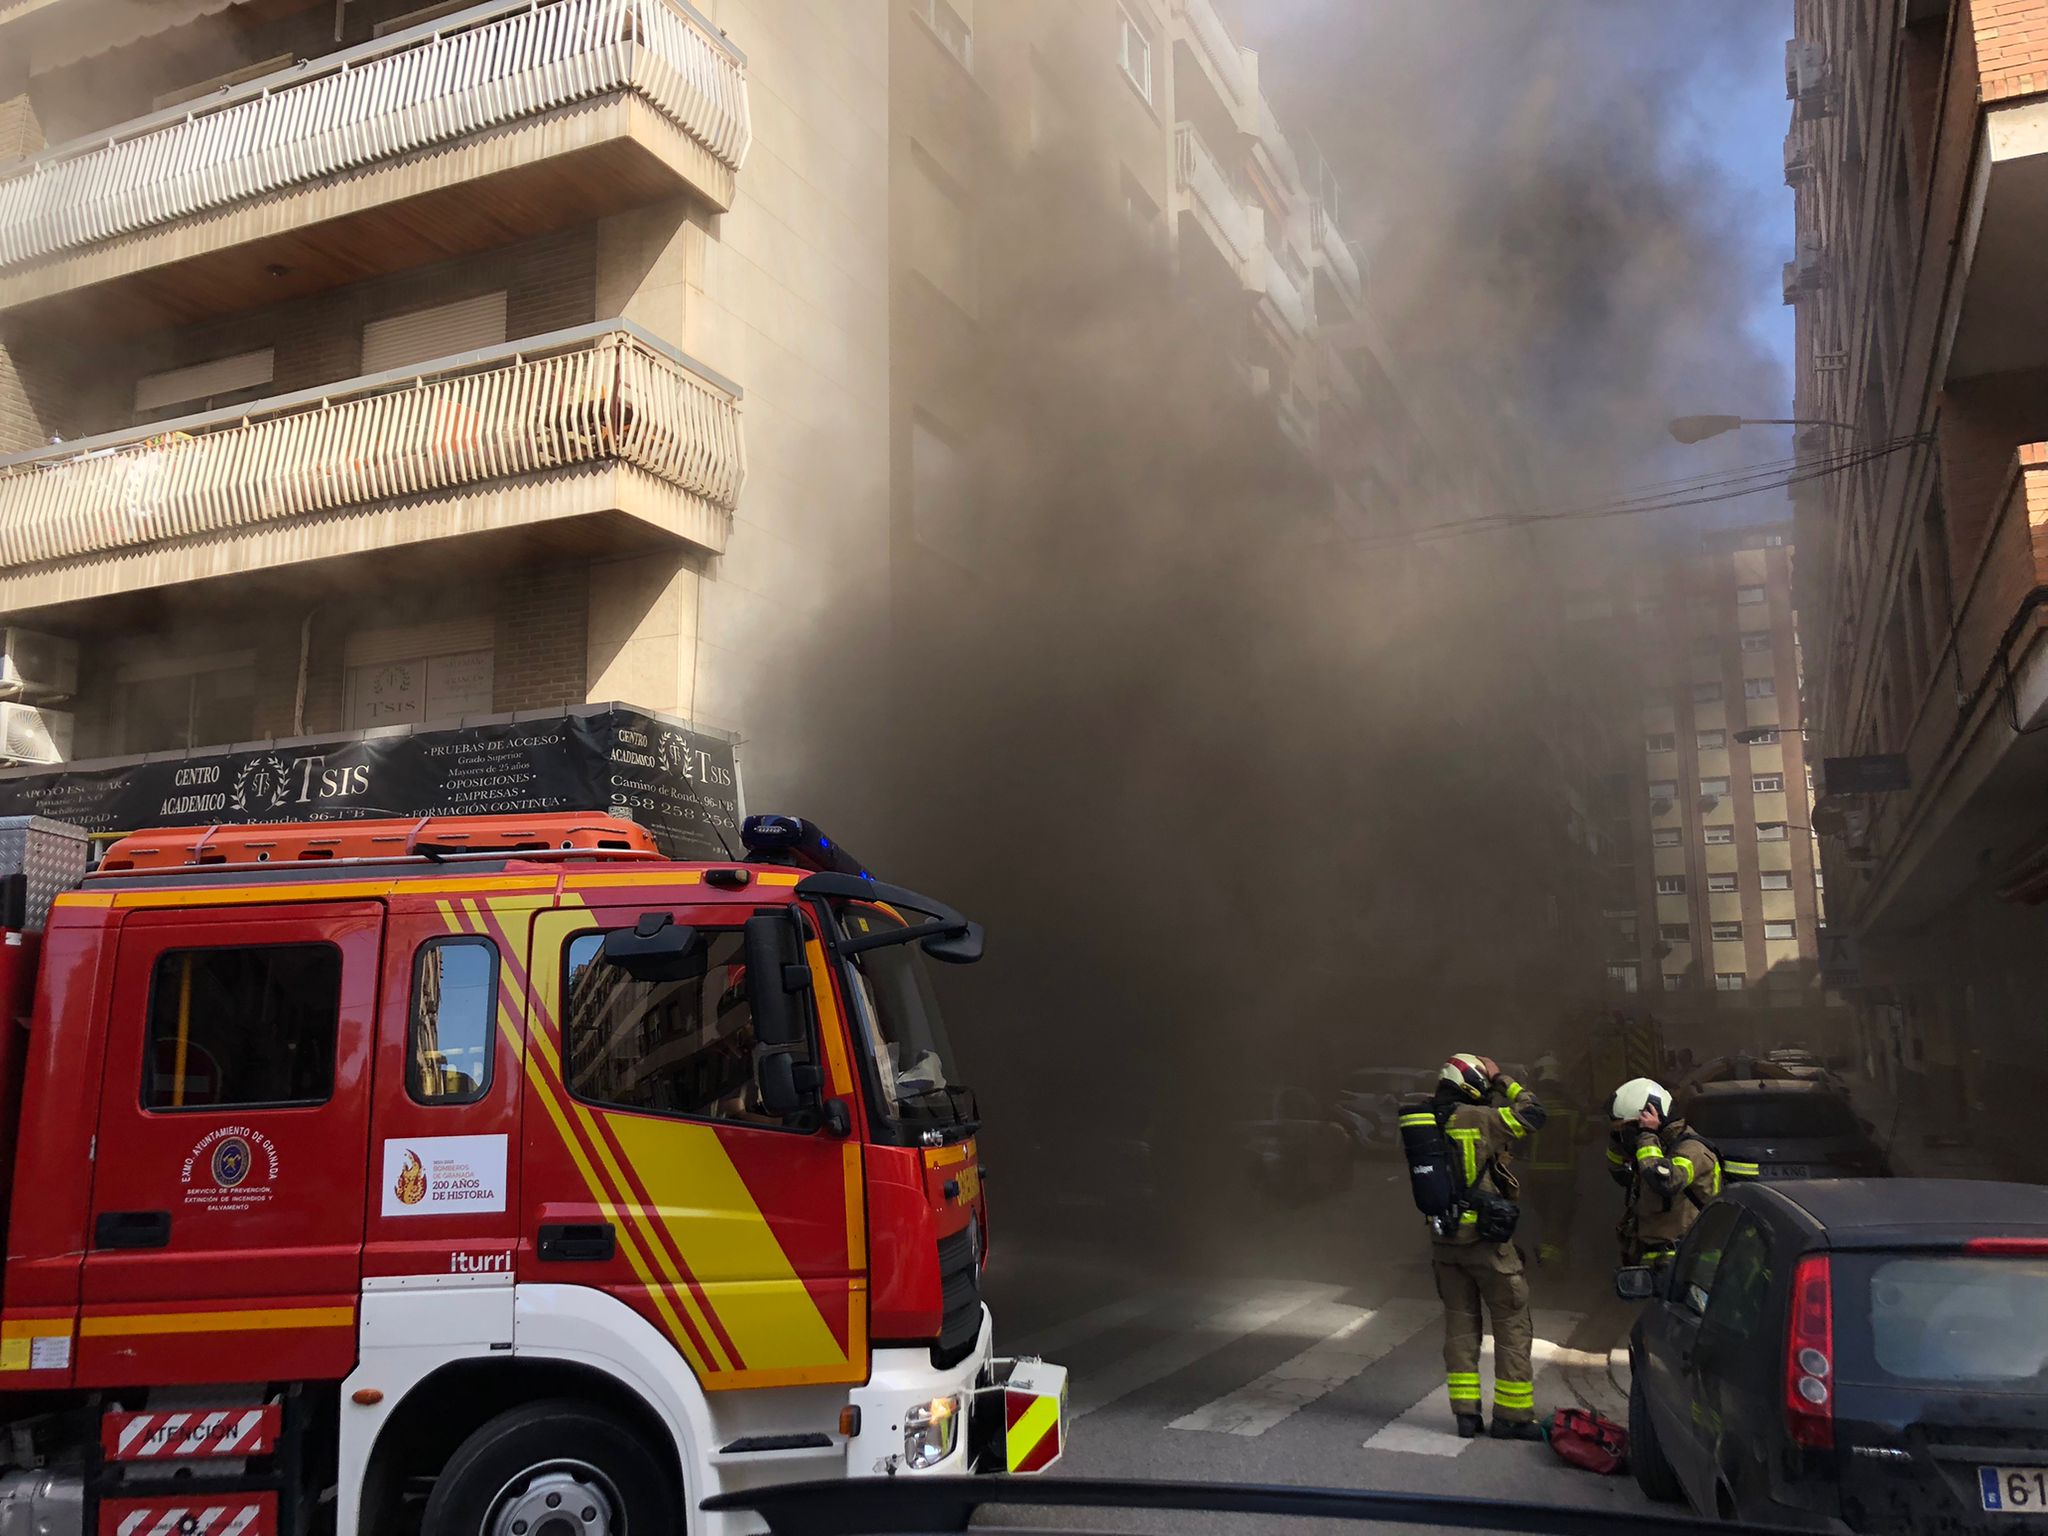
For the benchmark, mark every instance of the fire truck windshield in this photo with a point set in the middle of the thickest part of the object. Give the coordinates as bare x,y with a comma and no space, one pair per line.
902,1028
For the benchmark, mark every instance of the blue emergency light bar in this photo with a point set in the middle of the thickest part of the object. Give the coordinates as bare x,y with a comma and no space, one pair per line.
793,841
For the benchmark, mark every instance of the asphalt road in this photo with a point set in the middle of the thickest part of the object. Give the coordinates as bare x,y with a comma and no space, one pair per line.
1299,1347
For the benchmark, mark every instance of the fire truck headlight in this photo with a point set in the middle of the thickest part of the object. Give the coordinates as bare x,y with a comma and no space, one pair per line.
931,1431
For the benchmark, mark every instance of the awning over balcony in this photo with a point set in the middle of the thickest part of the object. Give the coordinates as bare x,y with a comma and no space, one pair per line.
600,424
54,33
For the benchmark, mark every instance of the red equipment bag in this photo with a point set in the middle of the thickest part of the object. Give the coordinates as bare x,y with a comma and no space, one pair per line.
1587,1440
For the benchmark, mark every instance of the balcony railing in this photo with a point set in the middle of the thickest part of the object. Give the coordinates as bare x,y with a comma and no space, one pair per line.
604,392
496,63
1203,176
1220,49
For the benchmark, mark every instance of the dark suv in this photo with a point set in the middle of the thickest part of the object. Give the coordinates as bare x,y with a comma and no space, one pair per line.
1789,1127
1873,1352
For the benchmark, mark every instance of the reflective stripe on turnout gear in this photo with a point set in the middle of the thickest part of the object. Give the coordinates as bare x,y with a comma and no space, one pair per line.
1467,1138
1737,1170
1463,1385
1514,1394
1515,1126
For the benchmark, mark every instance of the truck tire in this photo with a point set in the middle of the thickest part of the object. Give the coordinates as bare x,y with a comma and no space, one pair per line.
558,1468
1646,1459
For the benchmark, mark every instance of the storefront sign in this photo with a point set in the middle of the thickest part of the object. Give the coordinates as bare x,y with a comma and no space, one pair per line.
681,784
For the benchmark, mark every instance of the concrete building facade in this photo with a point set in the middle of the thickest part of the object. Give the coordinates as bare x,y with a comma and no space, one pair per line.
1919,150
1715,905
378,363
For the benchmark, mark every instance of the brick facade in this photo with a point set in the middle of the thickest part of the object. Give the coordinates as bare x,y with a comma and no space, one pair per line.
543,617
2012,47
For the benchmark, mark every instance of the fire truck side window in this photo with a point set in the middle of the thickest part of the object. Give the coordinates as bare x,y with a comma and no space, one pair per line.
454,995
664,1047
242,1027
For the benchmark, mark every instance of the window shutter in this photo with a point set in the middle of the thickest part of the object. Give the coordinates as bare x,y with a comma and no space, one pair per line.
405,341
202,381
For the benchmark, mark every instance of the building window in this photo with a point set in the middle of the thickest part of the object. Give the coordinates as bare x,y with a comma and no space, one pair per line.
1663,789
1759,687
939,231
1749,596
1776,879
1673,981
1719,834
1758,642
1720,885
1768,784
1785,930
1623,974
1665,837
1706,642
1674,933
1711,741
454,1018
1142,213
185,703
1671,885
1660,741
1625,931
1771,832
950,27
441,330
1137,54
1764,738
1729,981
1725,933
201,387
1714,787
243,1025
1706,693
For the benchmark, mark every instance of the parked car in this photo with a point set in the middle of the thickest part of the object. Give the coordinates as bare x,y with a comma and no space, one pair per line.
1872,1352
1789,1128
1369,1104
1296,1152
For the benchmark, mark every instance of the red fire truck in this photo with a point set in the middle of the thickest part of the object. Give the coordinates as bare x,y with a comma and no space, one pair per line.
485,1176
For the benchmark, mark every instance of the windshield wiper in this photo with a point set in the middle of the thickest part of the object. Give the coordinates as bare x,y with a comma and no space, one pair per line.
970,1116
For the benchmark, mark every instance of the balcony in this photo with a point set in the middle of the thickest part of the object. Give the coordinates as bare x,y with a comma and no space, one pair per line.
2002,310
1219,60
413,148
1213,197
1977,743
1286,295
597,437
1336,258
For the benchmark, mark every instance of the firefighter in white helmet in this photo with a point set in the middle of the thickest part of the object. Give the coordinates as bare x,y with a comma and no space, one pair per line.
1667,1170
1485,1114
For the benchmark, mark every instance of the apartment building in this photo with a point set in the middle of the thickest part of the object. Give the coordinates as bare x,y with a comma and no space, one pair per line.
1715,905
1919,150
366,363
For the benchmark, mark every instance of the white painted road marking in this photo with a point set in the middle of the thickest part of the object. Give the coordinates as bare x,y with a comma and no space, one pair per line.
1355,1340
1187,1345
1427,1429
1052,1342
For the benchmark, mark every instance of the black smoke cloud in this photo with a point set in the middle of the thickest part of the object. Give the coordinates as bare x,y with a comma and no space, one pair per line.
1246,795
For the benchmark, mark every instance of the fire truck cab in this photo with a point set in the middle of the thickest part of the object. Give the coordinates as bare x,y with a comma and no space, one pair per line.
485,1176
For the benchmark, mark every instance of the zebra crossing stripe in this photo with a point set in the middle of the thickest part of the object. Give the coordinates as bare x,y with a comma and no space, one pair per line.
1426,1429
1187,1345
1357,1340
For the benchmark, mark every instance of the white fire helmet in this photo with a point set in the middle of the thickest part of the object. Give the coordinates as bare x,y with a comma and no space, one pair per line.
1467,1073
1639,1094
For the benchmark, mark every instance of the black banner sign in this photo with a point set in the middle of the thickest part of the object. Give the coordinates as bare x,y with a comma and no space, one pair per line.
681,785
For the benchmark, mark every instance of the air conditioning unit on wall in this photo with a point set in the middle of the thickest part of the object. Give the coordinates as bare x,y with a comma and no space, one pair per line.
29,734
1798,159
37,666
1810,81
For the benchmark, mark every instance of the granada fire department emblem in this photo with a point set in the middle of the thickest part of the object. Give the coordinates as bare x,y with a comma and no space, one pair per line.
411,1187
230,1163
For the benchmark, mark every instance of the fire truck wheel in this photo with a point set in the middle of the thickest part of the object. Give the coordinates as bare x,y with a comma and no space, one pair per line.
560,1468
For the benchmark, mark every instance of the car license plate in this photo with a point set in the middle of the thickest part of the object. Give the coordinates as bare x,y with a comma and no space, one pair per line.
2014,1490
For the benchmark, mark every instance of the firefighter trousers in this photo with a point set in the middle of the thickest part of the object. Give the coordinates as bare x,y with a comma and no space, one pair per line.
1470,1276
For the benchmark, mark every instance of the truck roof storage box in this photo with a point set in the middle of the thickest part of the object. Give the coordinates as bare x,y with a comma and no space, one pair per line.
51,855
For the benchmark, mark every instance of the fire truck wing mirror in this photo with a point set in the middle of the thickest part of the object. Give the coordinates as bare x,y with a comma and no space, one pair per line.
775,963
656,950
962,946
775,1072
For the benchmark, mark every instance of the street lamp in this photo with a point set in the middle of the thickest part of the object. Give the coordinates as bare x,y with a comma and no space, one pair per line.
1697,429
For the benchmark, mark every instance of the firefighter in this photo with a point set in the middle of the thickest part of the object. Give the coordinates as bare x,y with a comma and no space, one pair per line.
1484,1114
1552,1159
1667,1170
